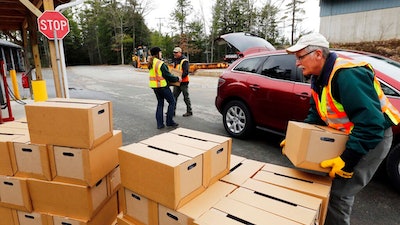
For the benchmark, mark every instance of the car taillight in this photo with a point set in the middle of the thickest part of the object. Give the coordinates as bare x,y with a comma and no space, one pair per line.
221,81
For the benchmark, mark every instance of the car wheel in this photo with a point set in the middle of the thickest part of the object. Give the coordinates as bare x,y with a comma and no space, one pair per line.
393,166
237,119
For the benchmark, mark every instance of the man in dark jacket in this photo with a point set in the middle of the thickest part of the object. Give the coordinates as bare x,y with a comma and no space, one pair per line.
182,64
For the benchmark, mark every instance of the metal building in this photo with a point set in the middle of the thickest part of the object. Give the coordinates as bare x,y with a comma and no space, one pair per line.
360,20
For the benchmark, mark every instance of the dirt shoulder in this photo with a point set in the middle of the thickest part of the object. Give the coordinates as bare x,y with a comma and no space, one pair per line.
389,48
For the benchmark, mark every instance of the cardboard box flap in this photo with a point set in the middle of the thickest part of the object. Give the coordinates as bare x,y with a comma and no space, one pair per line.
275,205
190,141
77,100
235,161
169,146
285,194
294,183
201,135
60,105
292,172
166,157
243,171
199,205
248,214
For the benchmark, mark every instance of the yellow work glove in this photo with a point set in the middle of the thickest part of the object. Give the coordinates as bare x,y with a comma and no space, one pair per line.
282,144
337,165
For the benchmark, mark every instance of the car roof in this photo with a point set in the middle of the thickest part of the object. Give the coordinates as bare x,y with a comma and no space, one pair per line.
386,68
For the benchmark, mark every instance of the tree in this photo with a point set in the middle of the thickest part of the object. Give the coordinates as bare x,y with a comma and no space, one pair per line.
266,24
294,12
180,14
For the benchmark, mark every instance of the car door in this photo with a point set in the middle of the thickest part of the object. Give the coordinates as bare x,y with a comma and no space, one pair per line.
278,92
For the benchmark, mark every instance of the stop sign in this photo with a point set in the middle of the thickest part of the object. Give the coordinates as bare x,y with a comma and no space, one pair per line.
51,21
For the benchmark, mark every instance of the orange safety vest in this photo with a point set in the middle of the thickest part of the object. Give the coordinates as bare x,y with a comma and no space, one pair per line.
332,112
179,67
156,78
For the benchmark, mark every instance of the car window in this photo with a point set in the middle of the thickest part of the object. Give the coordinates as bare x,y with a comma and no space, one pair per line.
388,91
249,65
281,67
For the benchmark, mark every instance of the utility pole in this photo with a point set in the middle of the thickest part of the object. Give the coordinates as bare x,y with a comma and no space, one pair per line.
159,23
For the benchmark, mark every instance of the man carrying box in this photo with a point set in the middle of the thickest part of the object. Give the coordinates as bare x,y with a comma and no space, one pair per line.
346,96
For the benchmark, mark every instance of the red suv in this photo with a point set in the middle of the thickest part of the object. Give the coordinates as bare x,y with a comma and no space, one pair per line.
265,90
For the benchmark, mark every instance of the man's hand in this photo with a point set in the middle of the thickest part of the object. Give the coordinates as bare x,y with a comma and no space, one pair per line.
337,165
282,144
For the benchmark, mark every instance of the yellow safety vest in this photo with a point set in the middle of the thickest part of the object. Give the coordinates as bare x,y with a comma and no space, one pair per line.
156,78
179,67
332,112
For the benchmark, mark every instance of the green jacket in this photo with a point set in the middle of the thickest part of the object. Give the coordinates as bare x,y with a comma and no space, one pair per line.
354,89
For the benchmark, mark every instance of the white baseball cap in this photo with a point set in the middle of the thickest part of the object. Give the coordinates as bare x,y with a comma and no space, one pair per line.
315,39
177,49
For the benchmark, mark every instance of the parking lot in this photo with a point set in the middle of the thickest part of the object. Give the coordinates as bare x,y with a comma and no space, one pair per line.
134,106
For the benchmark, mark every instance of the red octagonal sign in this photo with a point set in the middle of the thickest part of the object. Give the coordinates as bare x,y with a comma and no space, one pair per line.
51,21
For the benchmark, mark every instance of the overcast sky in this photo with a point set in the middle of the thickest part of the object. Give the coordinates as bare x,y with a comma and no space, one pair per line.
163,8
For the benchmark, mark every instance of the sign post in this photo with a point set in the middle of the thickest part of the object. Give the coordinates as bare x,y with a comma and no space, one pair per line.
55,26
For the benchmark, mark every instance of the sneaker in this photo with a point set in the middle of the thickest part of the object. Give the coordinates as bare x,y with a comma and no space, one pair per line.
187,114
173,125
161,127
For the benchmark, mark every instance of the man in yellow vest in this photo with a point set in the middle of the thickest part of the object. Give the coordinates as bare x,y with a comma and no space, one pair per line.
346,96
182,64
159,76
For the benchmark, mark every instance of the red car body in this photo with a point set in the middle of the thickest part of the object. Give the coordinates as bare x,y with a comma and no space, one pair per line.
265,90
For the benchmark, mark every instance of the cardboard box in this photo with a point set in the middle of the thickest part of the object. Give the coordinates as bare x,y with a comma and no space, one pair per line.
79,125
139,209
8,216
286,195
8,165
307,145
192,210
14,193
122,220
243,171
32,218
105,216
114,181
16,124
231,212
278,176
215,156
13,130
235,161
32,160
85,166
269,199
226,141
69,200
171,177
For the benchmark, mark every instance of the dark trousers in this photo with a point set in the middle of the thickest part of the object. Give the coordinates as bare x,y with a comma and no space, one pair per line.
184,88
162,94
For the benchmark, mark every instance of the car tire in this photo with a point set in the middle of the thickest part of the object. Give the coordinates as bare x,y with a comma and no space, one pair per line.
237,119
393,166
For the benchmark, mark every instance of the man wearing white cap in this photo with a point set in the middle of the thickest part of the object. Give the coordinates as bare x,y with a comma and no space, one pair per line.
346,96
182,64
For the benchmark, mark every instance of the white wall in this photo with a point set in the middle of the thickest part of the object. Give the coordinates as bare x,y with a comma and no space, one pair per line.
373,25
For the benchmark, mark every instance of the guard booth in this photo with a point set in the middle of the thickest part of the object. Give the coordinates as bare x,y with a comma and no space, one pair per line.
11,61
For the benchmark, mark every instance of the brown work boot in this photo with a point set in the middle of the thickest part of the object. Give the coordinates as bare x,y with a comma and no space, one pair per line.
187,114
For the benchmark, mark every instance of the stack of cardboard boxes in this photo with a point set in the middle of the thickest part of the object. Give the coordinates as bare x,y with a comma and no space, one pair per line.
186,177
63,167
66,165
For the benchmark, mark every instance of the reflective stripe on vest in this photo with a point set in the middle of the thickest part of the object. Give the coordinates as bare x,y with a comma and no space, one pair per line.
156,78
332,112
180,67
